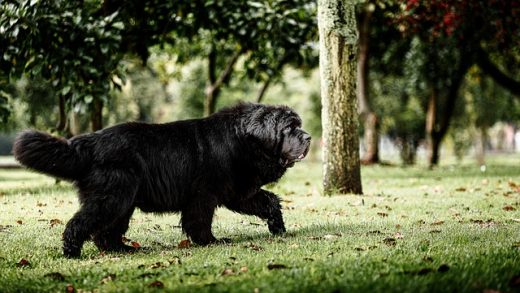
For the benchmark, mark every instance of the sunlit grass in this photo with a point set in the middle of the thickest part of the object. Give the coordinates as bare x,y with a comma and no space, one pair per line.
451,229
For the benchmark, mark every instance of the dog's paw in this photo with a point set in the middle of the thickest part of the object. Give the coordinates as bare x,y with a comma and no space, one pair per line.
71,251
276,227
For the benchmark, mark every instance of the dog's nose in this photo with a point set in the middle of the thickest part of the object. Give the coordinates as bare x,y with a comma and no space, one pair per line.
306,137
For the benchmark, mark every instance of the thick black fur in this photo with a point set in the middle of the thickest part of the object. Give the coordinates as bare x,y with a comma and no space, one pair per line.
190,166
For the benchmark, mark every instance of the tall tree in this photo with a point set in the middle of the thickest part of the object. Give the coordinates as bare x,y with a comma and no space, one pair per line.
368,116
338,48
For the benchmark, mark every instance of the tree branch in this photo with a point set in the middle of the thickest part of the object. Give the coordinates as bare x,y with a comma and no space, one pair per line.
498,76
224,75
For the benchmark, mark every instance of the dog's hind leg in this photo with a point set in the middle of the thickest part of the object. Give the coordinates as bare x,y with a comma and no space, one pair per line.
106,196
196,221
265,205
111,238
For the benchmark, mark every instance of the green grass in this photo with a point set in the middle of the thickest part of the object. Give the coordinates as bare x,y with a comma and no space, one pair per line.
414,230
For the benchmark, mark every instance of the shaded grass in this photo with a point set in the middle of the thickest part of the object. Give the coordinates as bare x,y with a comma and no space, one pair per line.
451,229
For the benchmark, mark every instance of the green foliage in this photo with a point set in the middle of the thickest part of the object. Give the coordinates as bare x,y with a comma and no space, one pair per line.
64,42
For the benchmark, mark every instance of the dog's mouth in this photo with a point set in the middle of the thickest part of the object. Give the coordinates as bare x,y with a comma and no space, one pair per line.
289,162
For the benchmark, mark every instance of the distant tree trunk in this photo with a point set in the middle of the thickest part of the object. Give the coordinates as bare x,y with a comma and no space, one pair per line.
62,118
431,121
480,149
338,47
369,118
408,150
215,84
263,89
437,123
96,115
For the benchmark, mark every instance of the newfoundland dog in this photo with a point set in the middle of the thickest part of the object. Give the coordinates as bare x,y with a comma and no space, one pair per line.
191,167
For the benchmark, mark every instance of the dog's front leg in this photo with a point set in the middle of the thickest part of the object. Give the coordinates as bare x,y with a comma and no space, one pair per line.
265,205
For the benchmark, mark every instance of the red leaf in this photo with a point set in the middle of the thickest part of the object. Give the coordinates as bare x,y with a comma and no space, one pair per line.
156,284
135,244
70,288
23,263
509,208
184,244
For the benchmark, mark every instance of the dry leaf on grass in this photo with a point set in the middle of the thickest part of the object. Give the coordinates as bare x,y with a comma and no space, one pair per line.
184,244
70,288
276,266
156,284
227,272
23,263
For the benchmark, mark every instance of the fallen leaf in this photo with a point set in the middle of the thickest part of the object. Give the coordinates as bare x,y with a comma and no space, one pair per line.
275,266
244,269
382,214
437,223
19,222
389,241
359,249
424,271
55,222
308,258
55,276
514,186
509,208
184,244
375,232
227,272
156,284
23,263
135,244
435,231
460,189
443,268
158,265
254,247
70,289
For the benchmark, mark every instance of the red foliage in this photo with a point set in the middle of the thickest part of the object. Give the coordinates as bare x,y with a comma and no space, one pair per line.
495,20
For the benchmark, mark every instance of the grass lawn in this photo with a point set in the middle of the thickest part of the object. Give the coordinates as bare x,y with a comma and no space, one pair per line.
453,229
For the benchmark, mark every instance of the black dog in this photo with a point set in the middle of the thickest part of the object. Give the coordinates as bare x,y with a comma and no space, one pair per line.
190,166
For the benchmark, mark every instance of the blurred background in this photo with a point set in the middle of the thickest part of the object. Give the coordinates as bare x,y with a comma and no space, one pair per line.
436,79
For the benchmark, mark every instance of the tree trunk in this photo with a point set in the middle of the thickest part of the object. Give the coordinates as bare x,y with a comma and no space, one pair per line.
96,115
437,128
369,118
215,84
338,47
481,145
263,90
371,138
431,121
62,118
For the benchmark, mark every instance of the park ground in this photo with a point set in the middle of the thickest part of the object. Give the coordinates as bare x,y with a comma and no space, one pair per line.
451,229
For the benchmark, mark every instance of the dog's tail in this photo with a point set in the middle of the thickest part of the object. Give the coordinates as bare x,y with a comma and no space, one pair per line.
48,154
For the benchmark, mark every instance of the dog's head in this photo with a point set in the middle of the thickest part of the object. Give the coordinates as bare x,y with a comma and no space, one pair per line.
277,130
